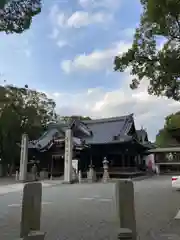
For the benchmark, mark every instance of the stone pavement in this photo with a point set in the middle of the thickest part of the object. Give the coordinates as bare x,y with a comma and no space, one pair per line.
87,211
7,181
12,186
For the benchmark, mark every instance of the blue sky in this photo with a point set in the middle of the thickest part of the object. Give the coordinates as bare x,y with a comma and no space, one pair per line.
68,53
38,55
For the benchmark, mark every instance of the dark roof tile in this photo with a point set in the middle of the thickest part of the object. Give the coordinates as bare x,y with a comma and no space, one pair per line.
104,130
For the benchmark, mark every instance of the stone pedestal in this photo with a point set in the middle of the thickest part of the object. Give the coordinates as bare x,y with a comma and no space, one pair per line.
68,157
74,175
91,175
43,175
23,158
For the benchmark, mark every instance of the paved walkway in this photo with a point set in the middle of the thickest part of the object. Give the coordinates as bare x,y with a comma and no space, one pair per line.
7,180
10,185
87,211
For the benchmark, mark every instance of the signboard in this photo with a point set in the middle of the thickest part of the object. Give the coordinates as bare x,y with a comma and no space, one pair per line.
75,164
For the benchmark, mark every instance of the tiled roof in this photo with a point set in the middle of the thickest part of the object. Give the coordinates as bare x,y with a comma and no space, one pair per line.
104,130
141,135
107,130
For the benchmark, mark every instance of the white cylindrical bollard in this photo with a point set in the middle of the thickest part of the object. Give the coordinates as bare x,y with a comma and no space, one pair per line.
17,176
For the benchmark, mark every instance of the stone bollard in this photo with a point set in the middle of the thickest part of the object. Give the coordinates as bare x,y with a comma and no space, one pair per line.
74,175
31,212
17,176
126,209
80,176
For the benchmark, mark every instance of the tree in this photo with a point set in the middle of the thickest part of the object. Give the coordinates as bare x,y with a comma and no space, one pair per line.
160,20
170,134
16,15
22,110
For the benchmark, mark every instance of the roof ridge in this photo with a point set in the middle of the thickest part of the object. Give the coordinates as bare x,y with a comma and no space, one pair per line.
110,119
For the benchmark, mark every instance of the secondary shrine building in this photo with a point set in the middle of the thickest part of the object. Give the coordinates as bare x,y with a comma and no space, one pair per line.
114,138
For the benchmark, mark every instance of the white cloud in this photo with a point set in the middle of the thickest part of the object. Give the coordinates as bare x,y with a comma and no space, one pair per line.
108,4
61,19
66,66
98,59
149,111
27,52
63,22
82,18
62,43
55,33
77,19
54,11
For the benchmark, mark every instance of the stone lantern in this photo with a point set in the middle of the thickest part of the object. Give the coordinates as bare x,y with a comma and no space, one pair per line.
91,174
105,168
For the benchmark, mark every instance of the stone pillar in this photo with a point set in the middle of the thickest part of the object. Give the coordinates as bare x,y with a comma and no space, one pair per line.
31,212
68,156
17,176
106,172
80,176
23,158
124,191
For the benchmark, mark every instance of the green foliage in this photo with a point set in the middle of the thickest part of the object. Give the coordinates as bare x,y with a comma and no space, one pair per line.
16,15
163,138
2,3
166,135
160,67
22,110
173,121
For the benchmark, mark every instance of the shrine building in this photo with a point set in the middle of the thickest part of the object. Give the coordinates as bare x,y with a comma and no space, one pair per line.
114,138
